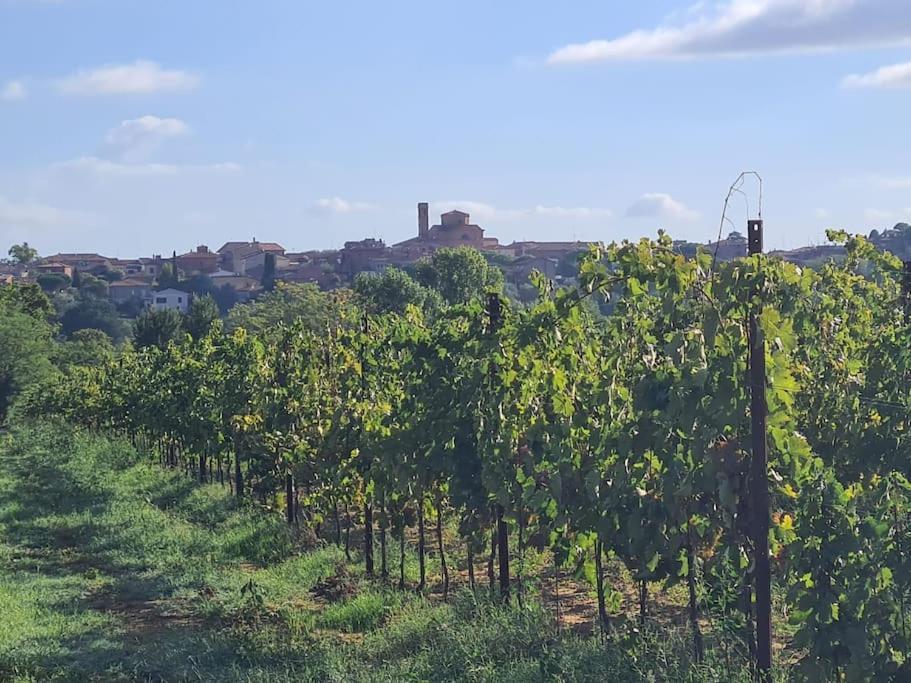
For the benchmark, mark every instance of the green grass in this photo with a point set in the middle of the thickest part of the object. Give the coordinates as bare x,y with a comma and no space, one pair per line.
114,569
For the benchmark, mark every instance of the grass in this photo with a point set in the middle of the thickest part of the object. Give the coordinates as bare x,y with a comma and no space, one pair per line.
113,569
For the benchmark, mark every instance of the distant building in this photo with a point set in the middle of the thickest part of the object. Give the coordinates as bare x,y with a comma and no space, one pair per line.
83,262
520,269
151,267
255,264
319,271
128,266
122,291
54,267
234,255
455,229
200,261
812,256
551,250
172,299
361,256
726,249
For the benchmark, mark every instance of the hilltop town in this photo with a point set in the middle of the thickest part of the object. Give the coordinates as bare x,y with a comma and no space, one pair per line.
238,270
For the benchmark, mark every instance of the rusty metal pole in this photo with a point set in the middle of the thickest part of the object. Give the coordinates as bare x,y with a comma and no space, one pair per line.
759,476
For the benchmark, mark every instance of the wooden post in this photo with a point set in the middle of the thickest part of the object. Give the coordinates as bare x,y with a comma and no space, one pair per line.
289,497
759,477
906,290
494,311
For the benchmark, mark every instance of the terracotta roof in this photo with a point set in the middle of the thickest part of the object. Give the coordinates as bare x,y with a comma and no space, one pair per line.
73,257
258,246
129,282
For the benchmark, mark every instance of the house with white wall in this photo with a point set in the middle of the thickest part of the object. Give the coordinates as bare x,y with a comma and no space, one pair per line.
169,298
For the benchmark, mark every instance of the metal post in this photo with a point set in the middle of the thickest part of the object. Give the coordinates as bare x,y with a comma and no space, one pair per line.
759,477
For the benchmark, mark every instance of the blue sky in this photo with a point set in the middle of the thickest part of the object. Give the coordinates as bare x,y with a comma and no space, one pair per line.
133,127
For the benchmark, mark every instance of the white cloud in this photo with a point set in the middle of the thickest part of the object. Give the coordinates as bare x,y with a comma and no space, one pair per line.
894,76
339,205
660,205
135,139
821,214
748,27
35,215
487,212
895,183
13,91
573,212
139,78
477,210
103,167
878,215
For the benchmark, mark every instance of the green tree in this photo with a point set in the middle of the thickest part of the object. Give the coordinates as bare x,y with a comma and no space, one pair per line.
27,298
85,348
169,277
90,312
226,298
392,291
156,328
268,279
53,282
201,315
90,285
22,254
460,275
286,304
109,275
25,348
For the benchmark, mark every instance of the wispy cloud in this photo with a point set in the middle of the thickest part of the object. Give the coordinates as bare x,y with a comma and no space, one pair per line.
339,205
32,215
484,211
893,76
890,182
749,27
13,91
886,216
106,168
660,205
142,77
136,139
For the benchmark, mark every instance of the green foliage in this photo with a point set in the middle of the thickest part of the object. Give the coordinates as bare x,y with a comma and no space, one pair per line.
288,303
168,278
92,286
53,282
268,278
201,316
629,432
27,298
22,254
460,275
25,352
85,348
157,328
129,577
393,291
90,312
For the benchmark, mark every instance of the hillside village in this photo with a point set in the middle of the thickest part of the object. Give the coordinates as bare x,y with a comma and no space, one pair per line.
239,270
